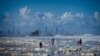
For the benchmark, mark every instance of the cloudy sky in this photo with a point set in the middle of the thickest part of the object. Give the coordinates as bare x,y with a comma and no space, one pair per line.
55,16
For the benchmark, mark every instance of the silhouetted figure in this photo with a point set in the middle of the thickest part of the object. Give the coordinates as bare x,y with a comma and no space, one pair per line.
80,42
48,55
53,41
52,50
95,54
40,44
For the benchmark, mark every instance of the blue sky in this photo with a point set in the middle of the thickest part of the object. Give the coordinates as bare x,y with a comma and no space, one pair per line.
68,16
55,6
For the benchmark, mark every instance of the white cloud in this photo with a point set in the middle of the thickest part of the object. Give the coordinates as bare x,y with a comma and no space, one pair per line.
24,11
97,18
79,15
97,15
66,15
69,15
48,14
37,19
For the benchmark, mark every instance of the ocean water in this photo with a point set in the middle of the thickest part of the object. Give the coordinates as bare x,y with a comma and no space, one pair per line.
60,46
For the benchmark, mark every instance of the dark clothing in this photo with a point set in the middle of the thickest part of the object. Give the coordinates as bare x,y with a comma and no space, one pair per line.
40,44
53,41
80,42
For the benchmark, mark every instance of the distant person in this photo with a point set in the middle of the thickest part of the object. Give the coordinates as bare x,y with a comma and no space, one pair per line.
95,54
48,55
79,44
40,44
80,41
53,41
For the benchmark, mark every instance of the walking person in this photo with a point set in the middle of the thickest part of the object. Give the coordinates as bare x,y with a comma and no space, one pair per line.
79,44
40,45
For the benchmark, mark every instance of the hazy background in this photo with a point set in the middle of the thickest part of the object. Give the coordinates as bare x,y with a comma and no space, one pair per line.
59,17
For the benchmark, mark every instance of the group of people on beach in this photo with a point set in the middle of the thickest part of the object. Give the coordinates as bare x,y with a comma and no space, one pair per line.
79,43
